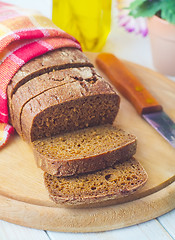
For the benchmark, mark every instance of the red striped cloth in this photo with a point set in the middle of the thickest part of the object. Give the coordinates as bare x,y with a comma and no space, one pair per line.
24,34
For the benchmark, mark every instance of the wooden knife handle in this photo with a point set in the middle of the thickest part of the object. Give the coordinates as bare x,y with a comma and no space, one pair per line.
127,84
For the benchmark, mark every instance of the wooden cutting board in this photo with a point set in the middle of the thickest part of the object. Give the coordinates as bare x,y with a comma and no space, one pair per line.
24,199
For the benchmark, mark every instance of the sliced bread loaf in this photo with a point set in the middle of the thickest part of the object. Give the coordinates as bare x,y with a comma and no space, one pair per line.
116,182
42,83
85,150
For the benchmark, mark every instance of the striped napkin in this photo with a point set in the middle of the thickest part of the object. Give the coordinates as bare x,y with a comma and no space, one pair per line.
24,34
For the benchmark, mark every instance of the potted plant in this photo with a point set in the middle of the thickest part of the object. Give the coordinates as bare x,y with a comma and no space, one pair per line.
161,27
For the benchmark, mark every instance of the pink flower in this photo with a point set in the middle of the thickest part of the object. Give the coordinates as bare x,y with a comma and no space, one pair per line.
136,25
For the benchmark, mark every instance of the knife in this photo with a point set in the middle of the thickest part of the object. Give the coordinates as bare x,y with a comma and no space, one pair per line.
131,88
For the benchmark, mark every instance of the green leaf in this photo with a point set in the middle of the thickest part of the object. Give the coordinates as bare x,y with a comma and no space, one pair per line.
146,9
136,4
149,8
168,15
168,11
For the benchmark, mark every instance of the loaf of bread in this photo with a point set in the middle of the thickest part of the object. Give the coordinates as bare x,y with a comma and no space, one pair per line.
41,84
85,150
61,105
121,180
79,98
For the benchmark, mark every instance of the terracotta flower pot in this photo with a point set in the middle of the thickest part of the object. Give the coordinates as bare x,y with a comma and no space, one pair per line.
162,38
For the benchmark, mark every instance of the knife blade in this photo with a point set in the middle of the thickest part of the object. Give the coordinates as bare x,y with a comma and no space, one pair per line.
133,90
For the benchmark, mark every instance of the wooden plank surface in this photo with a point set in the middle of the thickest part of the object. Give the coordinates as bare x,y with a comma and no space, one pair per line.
9,231
24,199
168,222
146,231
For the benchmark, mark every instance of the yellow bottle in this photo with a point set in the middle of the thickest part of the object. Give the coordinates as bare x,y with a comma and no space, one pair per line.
87,20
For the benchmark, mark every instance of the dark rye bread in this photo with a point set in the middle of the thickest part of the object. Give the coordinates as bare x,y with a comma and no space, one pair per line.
112,183
58,59
85,150
66,108
43,83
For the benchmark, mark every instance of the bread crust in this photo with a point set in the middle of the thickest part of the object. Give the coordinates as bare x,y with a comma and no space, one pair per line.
56,59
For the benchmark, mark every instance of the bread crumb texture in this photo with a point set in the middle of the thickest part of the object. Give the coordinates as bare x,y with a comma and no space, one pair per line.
84,143
74,114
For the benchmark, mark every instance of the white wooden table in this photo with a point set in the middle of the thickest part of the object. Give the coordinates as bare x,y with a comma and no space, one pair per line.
136,49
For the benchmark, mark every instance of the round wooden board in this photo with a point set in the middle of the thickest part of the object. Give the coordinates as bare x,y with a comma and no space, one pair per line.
24,199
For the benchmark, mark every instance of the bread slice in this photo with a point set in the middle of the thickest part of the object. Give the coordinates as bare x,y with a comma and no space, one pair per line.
85,150
113,183
42,83
70,107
